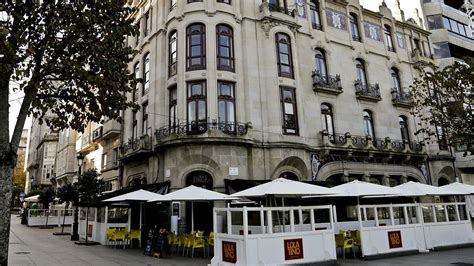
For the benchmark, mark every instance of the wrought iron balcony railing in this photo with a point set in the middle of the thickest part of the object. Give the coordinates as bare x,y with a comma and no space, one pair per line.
367,143
196,128
401,98
135,145
280,9
370,92
327,83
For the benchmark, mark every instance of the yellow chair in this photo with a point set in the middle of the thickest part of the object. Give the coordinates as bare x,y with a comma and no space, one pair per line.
210,243
189,242
355,235
135,235
182,242
121,235
344,243
110,235
198,242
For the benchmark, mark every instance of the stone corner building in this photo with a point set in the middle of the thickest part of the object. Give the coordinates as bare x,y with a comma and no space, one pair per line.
307,90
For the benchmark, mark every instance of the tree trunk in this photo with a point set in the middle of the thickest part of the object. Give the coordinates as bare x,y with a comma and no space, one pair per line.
64,216
47,217
6,173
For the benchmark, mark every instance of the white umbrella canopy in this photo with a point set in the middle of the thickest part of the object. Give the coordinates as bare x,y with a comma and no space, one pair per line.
418,189
460,187
139,195
283,187
34,198
358,188
192,193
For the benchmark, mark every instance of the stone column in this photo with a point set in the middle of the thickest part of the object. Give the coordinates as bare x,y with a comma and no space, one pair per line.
385,180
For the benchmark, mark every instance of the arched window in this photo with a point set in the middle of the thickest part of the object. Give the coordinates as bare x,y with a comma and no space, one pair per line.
361,73
146,73
284,58
196,47
225,48
388,38
396,80
404,128
368,124
354,27
315,15
320,64
327,116
173,53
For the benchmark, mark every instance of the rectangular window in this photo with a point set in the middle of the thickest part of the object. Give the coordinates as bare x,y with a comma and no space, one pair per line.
225,48
226,102
104,161
115,156
144,118
146,73
315,16
173,123
136,70
146,24
134,125
289,111
224,1
196,47
284,55
194,1
173,54
197,107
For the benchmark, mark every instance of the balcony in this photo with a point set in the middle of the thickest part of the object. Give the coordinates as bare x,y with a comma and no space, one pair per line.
135,147
189,130
97,133
367,92
87,143
276,8
327,84
361,143
401,98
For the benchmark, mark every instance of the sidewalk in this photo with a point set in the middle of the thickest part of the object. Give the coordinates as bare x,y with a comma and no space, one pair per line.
34,246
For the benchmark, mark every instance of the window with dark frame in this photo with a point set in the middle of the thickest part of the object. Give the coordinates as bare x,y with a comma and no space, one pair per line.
197,106
320,64
134,125
173,105
224,1
284,56
136,70
289,111
361,73
144,119
146,73
388,38
225,48
315,15
355,27
226,102
327,115
173,54
146,24
396,80
196,47
404,128
368,124
194,1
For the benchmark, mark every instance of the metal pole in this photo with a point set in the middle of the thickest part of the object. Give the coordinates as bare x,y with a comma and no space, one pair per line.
192,216
75,225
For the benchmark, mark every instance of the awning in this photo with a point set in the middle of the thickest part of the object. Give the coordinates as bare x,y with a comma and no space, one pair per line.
192,193
137,196
460,187
419,189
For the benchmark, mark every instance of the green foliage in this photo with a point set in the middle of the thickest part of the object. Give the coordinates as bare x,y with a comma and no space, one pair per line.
68,193
46,197
444,102
89,186
70,56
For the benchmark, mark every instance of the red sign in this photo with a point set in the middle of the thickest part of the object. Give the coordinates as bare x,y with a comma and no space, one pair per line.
293,249
395,239
229,252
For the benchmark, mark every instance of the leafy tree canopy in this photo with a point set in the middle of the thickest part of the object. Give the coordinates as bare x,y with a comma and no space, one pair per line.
46,197
444,102
89,186
68,193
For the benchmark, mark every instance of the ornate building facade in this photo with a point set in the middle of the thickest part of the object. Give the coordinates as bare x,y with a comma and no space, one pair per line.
307,90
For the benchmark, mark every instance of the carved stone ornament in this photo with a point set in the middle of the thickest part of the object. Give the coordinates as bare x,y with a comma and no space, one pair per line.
268,23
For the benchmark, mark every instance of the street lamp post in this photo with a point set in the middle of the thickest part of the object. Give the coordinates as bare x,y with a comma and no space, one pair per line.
75,225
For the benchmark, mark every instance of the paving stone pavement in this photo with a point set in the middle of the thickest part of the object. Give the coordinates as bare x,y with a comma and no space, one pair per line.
34,246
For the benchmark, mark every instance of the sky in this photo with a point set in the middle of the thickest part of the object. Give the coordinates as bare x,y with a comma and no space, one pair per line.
15,99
